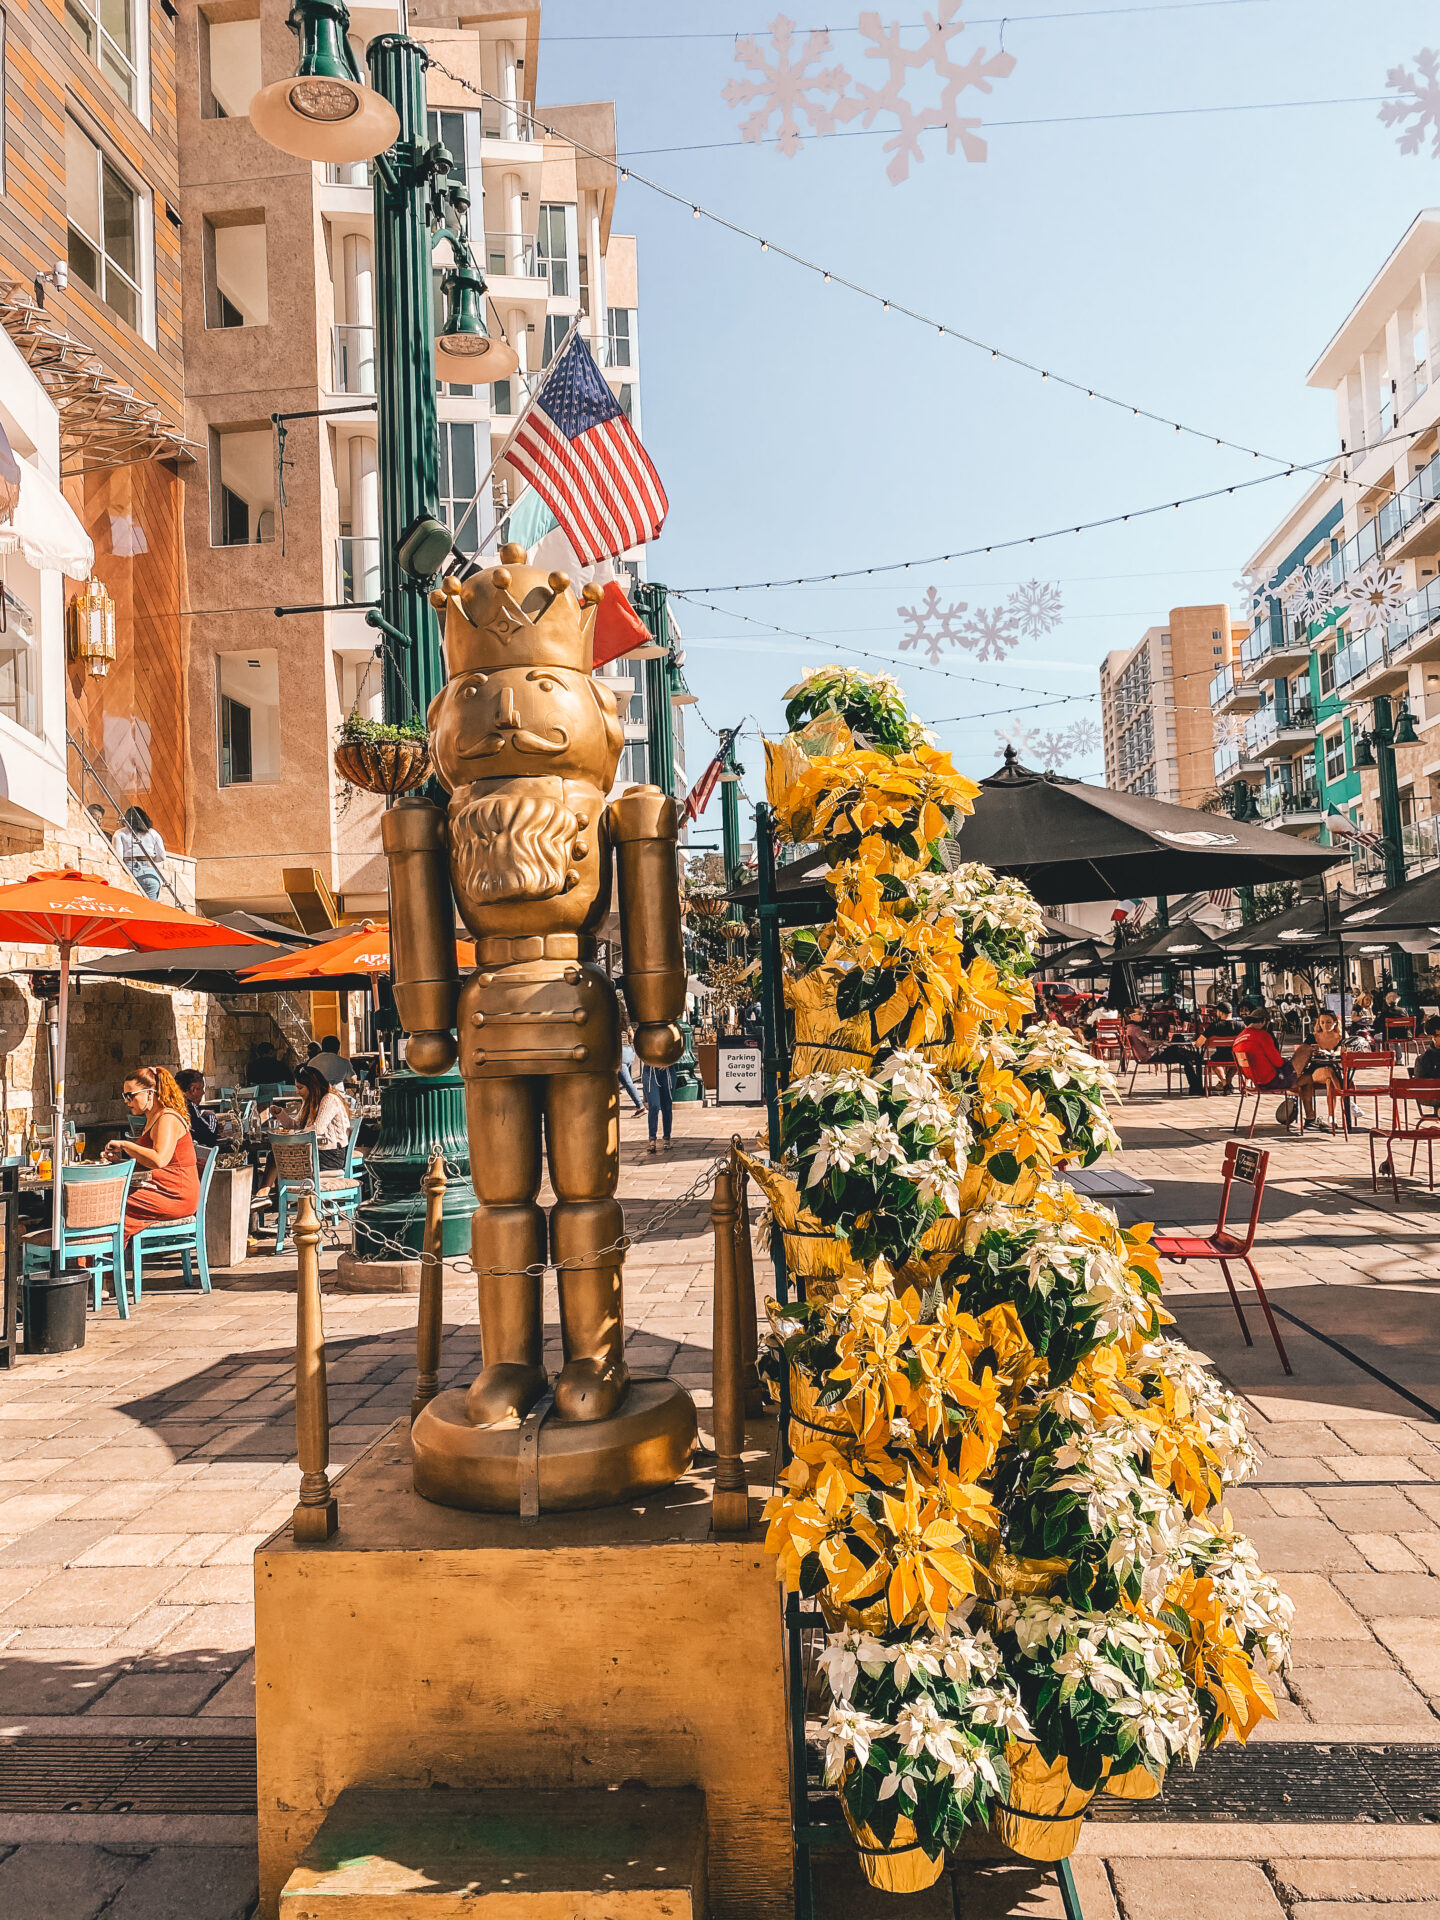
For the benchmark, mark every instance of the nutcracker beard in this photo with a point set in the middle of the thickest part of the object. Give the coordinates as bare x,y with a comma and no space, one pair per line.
512,846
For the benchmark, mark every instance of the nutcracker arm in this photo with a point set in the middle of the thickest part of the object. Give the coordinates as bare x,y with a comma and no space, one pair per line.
644,830
423,972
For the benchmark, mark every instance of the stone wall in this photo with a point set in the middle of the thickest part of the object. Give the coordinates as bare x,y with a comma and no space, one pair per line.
116,1025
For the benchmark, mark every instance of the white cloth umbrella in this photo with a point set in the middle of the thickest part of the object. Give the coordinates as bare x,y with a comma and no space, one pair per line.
45,528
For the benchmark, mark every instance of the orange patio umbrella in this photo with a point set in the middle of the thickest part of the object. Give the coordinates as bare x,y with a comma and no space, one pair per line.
363,949
74,909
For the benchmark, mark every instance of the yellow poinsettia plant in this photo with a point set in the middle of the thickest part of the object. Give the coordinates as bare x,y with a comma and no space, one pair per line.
1005,1480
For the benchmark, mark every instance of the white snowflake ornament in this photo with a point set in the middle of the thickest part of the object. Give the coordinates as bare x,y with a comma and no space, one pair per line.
1022,738
784,86
990,633
1309,594
1036,607
932,626
934,52
1376,594
1419,100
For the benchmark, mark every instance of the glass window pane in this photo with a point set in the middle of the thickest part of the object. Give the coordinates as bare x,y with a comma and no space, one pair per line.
84,261
82,27
248,685
120,295
118,211
113,66
115,19
82,183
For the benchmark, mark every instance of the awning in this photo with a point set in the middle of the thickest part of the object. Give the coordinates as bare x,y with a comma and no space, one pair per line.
42,525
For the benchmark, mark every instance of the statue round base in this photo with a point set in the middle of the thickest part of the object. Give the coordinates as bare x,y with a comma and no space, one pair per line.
582,1463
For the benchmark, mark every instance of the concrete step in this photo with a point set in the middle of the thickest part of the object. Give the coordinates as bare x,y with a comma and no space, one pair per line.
629,1854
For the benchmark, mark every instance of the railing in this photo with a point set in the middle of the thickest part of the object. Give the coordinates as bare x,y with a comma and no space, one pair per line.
1275,803
1222,686
1269,723
357,568
517,254
1419,842
352,359
1399,513
90,775
511,123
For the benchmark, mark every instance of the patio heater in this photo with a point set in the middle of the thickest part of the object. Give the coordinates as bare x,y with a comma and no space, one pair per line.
326,111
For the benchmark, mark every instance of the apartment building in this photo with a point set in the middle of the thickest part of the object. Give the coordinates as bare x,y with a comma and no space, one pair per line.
279,313
1155,711
1345,594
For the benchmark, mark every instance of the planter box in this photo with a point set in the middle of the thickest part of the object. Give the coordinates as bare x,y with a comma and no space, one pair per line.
227,1216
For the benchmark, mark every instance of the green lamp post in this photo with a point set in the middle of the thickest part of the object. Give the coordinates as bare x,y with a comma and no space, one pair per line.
1241,799
1376,748
327,112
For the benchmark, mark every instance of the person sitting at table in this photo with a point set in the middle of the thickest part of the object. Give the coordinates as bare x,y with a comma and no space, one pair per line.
328,1060
1221,1026
1271,1072
264,1068
163,1151
204,1124
322,1112
1175,1053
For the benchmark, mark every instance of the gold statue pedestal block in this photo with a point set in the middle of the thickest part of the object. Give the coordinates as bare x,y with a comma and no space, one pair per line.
569,1463
628,1855
433,1652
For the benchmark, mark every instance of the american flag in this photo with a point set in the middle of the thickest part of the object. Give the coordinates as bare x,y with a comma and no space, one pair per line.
698,797
1343,828
584,459
1222,897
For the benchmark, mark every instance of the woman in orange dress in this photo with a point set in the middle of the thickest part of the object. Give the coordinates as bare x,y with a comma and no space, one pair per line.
163,1151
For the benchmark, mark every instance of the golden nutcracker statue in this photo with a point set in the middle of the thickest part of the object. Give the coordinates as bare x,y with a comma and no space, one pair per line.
526,741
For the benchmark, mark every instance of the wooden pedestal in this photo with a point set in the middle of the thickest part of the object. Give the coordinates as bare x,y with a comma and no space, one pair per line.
227,1216
427,1648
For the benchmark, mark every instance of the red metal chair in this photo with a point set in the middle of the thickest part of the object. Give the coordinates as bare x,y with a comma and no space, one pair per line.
1244,1166
1211,1068
1424,1129
1354,1063
1400,1031
1109,1041
1250,1087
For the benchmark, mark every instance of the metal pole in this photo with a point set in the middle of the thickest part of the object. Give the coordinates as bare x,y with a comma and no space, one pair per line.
315,1515
1402,965
730,809
57,1125
650,604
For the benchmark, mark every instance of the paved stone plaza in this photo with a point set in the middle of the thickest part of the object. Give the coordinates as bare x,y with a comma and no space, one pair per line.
140,1474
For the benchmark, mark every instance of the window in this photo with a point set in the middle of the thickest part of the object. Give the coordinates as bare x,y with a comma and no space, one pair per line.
459,133
104,215
19,667
557,325
1326,664
626,397
620,321
105,31
556,224
457,482
248,716
230,67
242,487
237,287
1335,755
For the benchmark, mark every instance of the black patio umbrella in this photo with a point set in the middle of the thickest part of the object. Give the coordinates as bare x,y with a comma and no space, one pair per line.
1311,922
1413,908
1058,928
1186,944
1084,957
1068,841
264,929
195,969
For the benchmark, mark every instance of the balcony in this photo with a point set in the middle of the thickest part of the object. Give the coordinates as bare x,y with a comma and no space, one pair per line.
1275,735
1236,761
1366,666
514,256
1405,526
352,360
1290,809
1274,649
1228,694
1421,846
1416,634
357,569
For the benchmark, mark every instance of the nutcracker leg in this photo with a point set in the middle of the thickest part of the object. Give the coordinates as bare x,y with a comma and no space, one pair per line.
582,1128
507,1232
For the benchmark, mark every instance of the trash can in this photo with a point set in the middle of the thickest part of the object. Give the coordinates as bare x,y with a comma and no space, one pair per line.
54,1309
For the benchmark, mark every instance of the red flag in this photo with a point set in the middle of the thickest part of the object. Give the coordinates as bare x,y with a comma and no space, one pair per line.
698,797
618,628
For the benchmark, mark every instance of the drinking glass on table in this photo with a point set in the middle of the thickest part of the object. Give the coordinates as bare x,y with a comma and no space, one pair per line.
79,1144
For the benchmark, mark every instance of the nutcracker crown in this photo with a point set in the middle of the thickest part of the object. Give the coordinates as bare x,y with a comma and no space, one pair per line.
514,615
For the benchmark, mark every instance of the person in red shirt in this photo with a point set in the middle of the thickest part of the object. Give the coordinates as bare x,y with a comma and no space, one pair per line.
1264,1063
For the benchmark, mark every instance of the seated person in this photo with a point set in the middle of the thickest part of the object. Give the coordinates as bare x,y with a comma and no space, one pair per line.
1179,1053
328,1060
1427,1064
163,1152
322,1112
1221,1027
1320,1057
264,1068
204,1125
1271,1072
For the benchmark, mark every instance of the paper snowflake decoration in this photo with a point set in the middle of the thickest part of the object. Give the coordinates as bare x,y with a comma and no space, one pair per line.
1054,748
1068,744
990,633
1418,100
1309,594
1228,730
1084,738
1376,594
931,625
1022,738
934,52
1252,590
784,86
1036,608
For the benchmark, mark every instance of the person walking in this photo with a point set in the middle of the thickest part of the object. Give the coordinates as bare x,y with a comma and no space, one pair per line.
627,1071
142,851
659,1085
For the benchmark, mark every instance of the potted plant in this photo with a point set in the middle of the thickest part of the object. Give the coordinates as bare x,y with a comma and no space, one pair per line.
380,755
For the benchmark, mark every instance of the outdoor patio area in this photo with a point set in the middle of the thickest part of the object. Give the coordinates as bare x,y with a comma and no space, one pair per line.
141,1473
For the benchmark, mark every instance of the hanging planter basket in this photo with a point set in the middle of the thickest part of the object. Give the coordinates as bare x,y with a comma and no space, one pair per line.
383,766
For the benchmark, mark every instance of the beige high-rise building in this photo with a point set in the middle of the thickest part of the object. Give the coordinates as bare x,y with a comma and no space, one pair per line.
1155,706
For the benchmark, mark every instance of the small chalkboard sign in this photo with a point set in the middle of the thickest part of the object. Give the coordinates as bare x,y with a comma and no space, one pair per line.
1247,1163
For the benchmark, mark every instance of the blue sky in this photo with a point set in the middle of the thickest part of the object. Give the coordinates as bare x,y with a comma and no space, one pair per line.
1194,264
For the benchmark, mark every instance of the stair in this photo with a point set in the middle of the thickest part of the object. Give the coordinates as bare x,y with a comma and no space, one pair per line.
627,1854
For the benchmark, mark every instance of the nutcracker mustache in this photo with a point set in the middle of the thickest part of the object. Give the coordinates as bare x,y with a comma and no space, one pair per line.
512,846
522,740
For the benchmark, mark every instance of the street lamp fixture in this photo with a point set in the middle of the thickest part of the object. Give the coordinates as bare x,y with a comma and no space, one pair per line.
324,111
1405,734
464,351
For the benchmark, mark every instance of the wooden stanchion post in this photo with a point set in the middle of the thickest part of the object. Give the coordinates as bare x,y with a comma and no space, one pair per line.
432,1289
745,1285
730,1507
315,1516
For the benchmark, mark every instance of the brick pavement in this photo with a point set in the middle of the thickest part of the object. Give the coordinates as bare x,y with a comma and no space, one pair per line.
138,1476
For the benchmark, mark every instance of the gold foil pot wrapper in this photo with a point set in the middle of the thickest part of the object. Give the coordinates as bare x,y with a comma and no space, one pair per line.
812,1253
825,1043
903,1866
1139,1783
809,1421
1014,1578
1042,1818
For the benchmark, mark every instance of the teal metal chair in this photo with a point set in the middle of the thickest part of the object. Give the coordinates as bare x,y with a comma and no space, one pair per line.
297,1171
92,1227
185,1237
